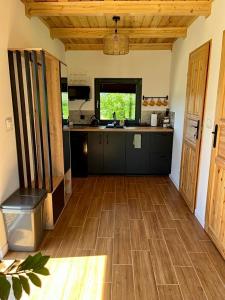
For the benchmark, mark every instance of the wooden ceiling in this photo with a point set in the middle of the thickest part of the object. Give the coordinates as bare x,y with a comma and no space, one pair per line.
150,25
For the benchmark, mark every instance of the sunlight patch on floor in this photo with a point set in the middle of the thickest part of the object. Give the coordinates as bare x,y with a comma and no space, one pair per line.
72,278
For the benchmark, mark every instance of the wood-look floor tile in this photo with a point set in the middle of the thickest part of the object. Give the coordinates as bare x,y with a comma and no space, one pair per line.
121,216
61,226
145,201
155,196
104,247
176,248
80,212
169,292
89,234
106,226
110,184
161,262
164,217
175,204
152,226
108,201
123,285
84,252
134,208
210,280
138,235
122,247
132,191
144,280
190,285
95,207
121,196
215,258
50,246
107,291
189,236
69,242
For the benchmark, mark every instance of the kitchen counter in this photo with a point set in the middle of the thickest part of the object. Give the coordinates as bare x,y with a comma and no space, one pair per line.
125,129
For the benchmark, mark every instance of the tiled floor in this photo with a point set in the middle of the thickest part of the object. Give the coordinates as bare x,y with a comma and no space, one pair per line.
138,238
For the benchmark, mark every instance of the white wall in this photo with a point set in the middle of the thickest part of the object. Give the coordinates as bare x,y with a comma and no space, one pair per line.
16,30
201,31
152,66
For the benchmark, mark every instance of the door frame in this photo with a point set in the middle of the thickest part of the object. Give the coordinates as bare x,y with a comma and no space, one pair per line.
201,123
219,102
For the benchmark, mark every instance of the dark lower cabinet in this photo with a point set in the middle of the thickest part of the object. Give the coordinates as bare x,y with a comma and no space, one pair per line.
137,160
114,153
95,152
79,158
160,152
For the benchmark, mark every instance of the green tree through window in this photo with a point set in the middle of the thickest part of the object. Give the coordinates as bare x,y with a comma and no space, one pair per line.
123,104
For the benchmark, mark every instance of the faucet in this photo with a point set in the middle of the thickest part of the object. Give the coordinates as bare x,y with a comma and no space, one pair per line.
114,118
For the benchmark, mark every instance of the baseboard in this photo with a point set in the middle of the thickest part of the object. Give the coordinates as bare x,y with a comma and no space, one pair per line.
174,181
3,250
202,222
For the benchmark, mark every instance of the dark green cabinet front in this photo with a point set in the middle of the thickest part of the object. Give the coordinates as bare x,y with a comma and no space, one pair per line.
95,152
114,153
137,159
160,151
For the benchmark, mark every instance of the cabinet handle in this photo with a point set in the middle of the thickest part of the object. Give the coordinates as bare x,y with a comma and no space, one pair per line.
215,136
107,139
100,139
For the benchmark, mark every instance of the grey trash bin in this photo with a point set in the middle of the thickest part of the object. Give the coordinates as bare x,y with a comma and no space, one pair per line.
23,216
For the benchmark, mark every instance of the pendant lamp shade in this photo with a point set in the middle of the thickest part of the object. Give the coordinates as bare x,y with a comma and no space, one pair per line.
116,44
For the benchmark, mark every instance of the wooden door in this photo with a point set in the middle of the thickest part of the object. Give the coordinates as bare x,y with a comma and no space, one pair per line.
196,90
215,212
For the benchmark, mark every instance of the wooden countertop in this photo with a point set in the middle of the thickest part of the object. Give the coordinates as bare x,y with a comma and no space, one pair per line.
125,129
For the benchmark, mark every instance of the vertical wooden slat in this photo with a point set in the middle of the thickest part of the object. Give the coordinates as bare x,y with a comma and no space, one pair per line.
38,108
24,119
16,119
44,81
32,125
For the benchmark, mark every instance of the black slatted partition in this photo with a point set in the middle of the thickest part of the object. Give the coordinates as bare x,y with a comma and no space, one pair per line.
16,118
30,107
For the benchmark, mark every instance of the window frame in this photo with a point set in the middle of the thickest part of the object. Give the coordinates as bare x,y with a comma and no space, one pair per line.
136,81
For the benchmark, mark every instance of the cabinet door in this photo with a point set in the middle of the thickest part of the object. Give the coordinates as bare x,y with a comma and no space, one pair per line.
66,150
137,160
95,152
160,152
114,153
78,141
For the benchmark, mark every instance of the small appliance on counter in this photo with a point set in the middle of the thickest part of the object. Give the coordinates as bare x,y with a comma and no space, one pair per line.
94,121
154,120
166,120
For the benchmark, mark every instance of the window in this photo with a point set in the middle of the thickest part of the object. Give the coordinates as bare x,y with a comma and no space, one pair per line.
118,97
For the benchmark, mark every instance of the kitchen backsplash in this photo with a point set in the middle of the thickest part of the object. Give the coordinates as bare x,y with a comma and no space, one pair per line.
145,116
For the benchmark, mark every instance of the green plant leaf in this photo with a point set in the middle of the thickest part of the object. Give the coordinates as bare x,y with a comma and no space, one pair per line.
42,262
25,284
4,287
25,264
34,279
17,288
42,271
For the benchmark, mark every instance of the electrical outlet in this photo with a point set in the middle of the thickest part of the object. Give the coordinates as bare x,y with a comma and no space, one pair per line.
9,123
82,117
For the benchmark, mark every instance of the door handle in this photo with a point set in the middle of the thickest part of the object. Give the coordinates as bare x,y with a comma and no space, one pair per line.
215,135
197,130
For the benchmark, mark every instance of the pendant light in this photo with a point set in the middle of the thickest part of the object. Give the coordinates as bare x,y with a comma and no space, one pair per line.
116,44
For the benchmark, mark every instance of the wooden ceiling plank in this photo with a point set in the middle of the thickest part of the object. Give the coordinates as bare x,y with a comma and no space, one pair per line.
163,32
135,46
98,8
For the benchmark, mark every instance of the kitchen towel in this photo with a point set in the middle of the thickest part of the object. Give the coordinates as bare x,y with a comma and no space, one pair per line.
137,141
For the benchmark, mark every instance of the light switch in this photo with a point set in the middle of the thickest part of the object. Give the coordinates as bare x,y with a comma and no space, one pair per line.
9,123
